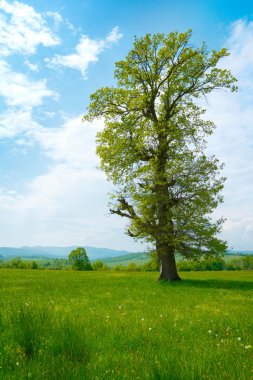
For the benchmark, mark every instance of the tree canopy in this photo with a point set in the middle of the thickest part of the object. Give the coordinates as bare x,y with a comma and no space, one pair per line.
79,259
153,146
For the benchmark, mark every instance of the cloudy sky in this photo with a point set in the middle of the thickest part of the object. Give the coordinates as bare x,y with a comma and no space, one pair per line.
53,54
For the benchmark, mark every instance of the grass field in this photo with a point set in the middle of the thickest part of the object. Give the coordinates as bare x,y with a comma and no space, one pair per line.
119,325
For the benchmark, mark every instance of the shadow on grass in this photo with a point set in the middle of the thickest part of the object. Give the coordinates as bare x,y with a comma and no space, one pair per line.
212,284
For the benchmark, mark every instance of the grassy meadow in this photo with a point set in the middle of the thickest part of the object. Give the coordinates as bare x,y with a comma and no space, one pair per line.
119,325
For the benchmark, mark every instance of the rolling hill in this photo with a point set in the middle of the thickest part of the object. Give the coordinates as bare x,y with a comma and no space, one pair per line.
111,257
94,253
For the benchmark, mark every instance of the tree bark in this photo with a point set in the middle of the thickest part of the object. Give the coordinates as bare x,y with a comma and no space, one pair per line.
168,268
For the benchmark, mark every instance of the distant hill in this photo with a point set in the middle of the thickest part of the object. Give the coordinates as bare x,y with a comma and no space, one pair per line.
137,258
94,253
33,252
142,258
112,256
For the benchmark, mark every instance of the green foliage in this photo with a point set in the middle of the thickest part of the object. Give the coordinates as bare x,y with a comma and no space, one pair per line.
79,259
132,267
210,264
240,262
138,258
247,262
119,268
98,265
112,325
153,144
153,264
147,262
16,262
34,265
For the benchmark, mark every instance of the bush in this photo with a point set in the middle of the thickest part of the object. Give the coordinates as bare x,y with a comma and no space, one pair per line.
34,265
209,264
98,265
150,266
185,266
132,267
247,262
119,267
231,266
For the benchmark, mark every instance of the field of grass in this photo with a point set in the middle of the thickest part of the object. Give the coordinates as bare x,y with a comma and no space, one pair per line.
119,325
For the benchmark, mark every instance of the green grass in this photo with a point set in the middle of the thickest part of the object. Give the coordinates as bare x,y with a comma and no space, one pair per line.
119,325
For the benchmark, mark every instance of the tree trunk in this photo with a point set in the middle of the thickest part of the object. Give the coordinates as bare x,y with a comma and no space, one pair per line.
168,268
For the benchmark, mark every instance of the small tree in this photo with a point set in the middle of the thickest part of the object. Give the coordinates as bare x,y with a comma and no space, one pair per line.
79,259
153,146
34,265
247,262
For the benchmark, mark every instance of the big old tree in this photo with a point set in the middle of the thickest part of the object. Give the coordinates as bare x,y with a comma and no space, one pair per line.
153,146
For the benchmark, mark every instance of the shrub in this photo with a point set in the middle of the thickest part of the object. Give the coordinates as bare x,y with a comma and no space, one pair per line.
247,262
132,267
119,267
209,264
34,265
98,265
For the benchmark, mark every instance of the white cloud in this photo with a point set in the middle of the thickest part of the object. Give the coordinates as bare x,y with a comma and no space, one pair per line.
22,29
31,66
15,122
71,28
72,143
232,141
238,232
87,51
113,37
63,207
18,90
240,45
68,204
21,96
56,17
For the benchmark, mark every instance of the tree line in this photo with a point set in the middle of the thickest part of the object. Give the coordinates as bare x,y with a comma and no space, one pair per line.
78,260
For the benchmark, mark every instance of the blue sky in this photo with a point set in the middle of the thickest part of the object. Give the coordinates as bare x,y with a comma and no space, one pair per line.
53,55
